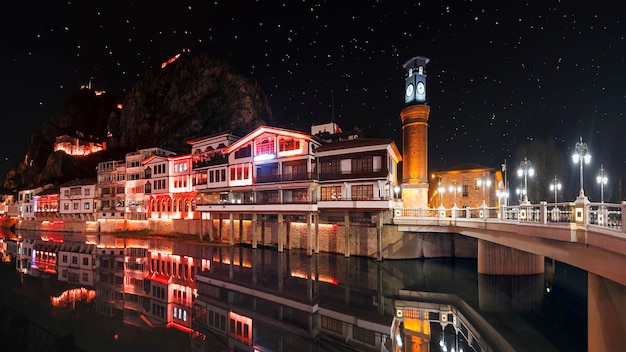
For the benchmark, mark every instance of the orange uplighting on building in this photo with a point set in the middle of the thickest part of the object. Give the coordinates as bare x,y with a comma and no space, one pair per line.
415,165
48,237
170,60
77,147
417,326
243,327
321,278
73,295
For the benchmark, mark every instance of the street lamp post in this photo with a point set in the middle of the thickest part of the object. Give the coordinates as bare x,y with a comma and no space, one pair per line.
525,169
502,194
602,180
397,190
555,186
454,188
441,189
581,153
484,182
520,194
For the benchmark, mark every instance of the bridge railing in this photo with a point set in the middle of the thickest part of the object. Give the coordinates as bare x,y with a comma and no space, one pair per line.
561,212
596,214
606,215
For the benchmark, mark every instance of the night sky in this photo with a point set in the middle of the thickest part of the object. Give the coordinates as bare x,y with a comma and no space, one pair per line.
501,73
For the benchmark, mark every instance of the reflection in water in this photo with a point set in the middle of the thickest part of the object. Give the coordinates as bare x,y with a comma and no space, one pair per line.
239,299
70,296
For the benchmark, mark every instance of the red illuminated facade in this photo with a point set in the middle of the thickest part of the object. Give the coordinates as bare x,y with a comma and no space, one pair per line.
77,147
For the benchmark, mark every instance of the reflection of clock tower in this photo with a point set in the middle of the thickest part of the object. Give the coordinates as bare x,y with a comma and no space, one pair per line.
415,135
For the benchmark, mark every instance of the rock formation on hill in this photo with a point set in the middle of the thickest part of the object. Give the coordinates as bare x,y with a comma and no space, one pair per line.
192,96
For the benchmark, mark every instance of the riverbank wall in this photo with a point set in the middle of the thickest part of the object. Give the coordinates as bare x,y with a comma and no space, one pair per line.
353,238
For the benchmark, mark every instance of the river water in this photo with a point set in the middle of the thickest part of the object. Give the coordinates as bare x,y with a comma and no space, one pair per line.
545,312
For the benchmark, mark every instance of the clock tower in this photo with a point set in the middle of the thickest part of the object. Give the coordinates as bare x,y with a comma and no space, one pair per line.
415,82
415,135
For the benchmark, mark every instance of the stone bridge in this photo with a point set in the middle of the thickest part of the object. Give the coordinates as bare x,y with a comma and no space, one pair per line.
514,240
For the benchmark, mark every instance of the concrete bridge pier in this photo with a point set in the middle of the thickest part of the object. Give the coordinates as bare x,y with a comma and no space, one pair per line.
510,293
606,314
495,259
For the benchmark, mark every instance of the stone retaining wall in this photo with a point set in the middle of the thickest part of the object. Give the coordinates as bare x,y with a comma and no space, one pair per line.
362,239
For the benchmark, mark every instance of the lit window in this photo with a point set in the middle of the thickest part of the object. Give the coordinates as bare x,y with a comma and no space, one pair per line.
266,146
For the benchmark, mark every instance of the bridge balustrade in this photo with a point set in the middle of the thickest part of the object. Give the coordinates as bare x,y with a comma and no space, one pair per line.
603,215
561,212
606,215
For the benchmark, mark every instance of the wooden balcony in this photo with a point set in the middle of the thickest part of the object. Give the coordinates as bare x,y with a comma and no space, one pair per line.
347,175
285,177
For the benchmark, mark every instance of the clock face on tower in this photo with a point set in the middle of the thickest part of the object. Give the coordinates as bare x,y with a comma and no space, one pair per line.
409,90
420,88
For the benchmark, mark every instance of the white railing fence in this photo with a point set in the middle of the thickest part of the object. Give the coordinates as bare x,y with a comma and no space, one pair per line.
594,214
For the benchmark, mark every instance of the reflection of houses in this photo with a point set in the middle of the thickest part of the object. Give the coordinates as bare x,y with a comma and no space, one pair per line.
24,259
468,184
135,302
77,147
77,198
147,286
262,300
45,258
35,257
76,263
109,281
278,302
4,255
170,285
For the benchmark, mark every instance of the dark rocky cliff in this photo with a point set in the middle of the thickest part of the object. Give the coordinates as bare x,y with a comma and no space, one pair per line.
195,95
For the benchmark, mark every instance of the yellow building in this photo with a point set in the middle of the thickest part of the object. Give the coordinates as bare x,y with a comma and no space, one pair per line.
466,185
